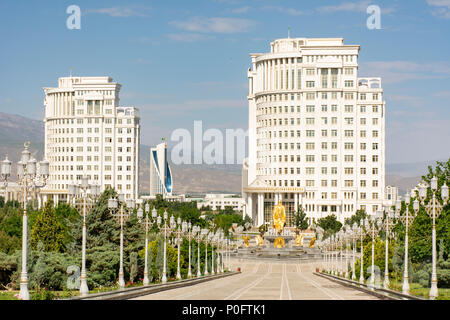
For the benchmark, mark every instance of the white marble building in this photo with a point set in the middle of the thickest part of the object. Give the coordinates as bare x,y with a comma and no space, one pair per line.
316,132
88,133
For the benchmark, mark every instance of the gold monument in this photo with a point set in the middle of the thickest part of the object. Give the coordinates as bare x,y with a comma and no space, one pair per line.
259,240
311,243
246,239
299,240
279,219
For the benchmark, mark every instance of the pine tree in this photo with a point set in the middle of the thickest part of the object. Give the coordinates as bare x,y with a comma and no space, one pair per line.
48,230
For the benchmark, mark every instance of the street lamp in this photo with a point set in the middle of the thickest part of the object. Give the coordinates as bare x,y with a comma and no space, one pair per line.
375,220
74,192
363,227
121,211
407,220
30,178
167,229
354,238
146,222
433,209
191,232
179,231
199,233
389,224
205,237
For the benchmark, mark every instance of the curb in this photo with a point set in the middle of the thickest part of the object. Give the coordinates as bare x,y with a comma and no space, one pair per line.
129,293
382,293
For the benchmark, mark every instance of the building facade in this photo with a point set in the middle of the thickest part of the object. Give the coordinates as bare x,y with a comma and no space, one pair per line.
316,132
161,180
220,201
88,133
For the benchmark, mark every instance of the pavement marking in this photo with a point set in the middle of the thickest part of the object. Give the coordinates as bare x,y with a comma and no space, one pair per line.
238,293
329,293
285,283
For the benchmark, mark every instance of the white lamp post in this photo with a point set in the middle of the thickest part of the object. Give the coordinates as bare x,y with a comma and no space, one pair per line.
30,178
120,210
199,239
205,237
354,238
375,222
146,222
179,237
433,209
74,192
406,219
191,232
364,226
390,216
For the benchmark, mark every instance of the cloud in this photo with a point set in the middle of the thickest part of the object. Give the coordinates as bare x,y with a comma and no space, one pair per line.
360,6
122,12
443,9
241,10
400,71
289,11
215,25
186,37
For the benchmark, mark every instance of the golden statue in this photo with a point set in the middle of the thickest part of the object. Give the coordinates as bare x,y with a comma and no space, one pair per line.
279,217
246,239
299,240
259,240
279,243
311,243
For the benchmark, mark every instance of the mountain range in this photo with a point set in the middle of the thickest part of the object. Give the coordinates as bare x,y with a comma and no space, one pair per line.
190,179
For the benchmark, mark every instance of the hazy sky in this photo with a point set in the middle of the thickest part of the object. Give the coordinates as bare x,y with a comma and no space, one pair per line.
180,61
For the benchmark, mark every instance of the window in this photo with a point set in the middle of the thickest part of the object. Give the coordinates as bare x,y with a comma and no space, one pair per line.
362,109
348,108
374,109
310,72
348,83
310,84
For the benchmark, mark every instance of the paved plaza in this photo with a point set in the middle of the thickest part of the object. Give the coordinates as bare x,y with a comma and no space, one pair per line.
265,280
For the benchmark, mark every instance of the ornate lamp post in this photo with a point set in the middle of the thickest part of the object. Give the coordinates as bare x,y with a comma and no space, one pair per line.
166,229
388,225
121,211
433,208
30,178
191,232
212,240
146,222
74,192
364,226
179,231
354,238
407,219
205,240
348,236
375,222
199,239
340,241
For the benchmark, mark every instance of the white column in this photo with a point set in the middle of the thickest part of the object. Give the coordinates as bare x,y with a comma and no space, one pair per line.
249,205
244,208
295,201
275,198
260,208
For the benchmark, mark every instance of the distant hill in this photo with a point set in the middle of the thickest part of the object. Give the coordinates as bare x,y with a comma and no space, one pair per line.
15,130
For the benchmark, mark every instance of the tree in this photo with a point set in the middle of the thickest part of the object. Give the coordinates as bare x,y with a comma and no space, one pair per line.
330,225
48,230
300,221
357,217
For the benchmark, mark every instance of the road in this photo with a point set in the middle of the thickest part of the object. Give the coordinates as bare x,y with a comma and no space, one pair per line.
265,280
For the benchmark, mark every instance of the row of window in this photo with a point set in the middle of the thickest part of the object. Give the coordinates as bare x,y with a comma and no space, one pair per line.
309,158
311,146
324,96
88,159
323,171
324,183
311,121
311,108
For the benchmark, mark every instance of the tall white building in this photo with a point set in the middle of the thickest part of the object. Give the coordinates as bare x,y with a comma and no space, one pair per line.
161,180
316,132
87,133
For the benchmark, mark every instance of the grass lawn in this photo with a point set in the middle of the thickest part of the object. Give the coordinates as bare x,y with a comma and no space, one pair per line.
8,295
417,290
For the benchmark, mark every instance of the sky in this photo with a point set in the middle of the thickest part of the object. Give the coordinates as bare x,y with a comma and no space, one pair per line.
181,61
